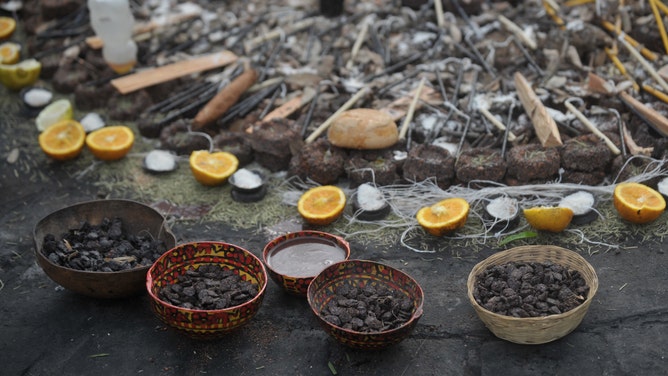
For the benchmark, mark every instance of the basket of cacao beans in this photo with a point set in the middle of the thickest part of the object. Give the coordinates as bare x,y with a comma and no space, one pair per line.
532,294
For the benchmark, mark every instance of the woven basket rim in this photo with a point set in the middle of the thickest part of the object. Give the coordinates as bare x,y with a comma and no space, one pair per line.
593,285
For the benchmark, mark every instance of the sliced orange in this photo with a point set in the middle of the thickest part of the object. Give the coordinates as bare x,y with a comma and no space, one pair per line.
7,27
110,143
212,168
444,216
10,53
63,140
637,202
322,205
549,218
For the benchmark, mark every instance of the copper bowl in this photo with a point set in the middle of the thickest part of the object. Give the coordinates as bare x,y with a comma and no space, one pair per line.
199,323
311,252
361,273
137,218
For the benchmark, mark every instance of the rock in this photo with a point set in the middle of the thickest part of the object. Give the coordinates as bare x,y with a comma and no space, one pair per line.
363,128
318,161
378,168
532,162
427,161
272,143
585,153
237,143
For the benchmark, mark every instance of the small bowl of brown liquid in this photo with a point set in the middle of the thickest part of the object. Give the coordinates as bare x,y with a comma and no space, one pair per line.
294,259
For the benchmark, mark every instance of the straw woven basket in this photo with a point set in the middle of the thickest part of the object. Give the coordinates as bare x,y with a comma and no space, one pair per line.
535,330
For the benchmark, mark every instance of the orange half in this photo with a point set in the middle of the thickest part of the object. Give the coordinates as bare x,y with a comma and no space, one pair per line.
63,140
10,53
443,217
322,205
212,168
110,143
637,202
7,27
549,218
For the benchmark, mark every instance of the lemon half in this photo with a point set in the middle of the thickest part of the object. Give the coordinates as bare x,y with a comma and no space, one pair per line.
18,76
53,113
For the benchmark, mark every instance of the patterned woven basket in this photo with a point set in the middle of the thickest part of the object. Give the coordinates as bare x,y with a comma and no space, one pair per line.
535,330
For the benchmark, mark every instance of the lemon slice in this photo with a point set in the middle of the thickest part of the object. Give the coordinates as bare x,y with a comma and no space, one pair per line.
57,111
18,76
549,218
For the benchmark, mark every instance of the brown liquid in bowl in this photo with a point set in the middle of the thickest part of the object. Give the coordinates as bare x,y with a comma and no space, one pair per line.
304,257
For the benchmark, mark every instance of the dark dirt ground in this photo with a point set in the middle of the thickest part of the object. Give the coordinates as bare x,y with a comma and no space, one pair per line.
46,330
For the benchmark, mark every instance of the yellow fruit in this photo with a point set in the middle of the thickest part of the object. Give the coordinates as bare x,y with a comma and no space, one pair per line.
10,53
637,202
444,216
549,218
7,27
322,205
18,76
110,143
63,140
212,168
53,113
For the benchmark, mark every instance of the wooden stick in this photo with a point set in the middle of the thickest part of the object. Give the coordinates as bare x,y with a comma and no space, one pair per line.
251,44
398,108
612,55
358,44
440,18
543,123
225,98
643,50
411,110
551,9
154,76
615,150
497,123
663,7
656,93
574,3
323,127
289,107
265,84
659,23
553,4
517,31
648,67
655,119
634,149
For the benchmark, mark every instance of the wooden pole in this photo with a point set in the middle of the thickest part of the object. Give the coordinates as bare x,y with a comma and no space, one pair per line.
154,76
485,112
615,150
411,110
543,123
655,119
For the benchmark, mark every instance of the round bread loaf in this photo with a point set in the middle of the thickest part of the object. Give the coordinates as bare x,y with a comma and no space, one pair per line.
363,128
